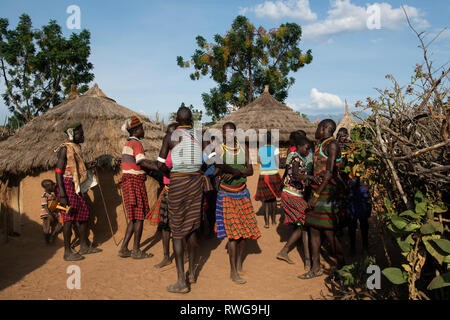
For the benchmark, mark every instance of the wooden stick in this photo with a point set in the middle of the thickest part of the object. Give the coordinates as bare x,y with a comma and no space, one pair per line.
418,152
390,164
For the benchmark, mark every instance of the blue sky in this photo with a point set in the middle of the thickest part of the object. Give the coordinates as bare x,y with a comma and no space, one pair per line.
134,45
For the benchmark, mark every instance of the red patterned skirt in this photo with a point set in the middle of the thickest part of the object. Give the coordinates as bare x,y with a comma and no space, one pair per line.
294,206
79,210
269,187
135,196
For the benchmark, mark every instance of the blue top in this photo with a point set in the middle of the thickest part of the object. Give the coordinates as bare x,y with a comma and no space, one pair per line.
210,169
267,155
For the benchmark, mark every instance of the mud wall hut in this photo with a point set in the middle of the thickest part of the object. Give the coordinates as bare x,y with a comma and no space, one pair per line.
28,157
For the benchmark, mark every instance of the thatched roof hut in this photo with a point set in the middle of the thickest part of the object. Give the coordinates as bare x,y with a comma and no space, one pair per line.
31,148
347,121
266,112
28,157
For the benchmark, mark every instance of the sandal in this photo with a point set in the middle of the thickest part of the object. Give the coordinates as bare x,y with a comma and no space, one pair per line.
90,250
124,253
174,289
139,255
283,258
73,257
310,275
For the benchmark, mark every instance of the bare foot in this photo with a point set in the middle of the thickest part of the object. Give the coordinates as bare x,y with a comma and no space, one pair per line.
178,288
307,265
237,279
165,262
284,256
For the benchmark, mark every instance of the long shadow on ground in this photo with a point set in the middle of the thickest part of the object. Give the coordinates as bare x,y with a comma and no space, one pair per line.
24,254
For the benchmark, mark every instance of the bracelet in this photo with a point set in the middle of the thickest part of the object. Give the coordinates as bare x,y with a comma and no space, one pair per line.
315,194
161,160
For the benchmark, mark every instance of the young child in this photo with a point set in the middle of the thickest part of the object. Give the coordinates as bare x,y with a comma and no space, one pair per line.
50,219
359,207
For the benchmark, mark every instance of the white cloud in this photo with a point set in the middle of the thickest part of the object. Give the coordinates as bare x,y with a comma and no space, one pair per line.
320,101
297,9
344,16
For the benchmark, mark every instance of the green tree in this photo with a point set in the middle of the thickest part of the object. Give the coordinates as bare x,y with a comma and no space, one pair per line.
39,66
303,115
244,60
196,113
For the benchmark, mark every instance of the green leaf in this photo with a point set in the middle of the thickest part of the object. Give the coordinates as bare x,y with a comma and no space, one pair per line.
395,275
439,227
419,197
409,213
440,281
410,239
404,246
435,251
444,244
427,228
407,267
387,203
412,227
421,208
400,223
439,209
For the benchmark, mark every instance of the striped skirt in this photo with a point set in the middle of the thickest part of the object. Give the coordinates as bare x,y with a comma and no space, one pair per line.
235,217
269,187
294,206
329,209
135,196
185,202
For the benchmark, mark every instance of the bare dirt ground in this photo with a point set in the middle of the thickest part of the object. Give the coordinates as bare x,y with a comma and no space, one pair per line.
29,269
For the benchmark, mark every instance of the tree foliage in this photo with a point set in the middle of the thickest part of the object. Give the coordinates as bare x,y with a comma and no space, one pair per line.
243,61
39,66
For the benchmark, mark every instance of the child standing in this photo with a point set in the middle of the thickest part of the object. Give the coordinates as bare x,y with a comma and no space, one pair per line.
50,219
269,182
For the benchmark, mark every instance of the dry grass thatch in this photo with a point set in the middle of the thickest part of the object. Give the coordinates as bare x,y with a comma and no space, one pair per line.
31,148
347,121
266,112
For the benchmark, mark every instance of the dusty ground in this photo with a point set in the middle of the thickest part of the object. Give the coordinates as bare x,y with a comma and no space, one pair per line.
31,270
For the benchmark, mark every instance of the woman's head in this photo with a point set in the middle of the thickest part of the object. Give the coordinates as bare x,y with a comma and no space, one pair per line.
228,131
303,145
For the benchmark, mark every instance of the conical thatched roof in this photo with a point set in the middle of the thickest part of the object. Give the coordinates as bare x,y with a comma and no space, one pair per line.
31,148
347,121
266,112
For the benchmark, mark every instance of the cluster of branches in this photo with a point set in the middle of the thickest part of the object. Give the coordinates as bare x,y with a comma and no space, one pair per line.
409,129
38,67
243,61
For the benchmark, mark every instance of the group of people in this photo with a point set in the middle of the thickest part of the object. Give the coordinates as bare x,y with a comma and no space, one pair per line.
212,182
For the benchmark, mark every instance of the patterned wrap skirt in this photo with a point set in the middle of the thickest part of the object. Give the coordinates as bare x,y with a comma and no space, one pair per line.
79,210
235,217
185,202
135,196
294,206
269,187
329,211
163,223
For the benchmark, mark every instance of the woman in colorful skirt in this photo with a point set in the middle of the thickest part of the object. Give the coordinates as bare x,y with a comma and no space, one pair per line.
235,217
292,198
134,165
326,205
269,182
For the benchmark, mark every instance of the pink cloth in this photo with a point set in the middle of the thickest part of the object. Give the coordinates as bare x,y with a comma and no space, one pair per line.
169,164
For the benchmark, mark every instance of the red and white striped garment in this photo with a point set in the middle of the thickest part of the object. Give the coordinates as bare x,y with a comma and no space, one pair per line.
132,154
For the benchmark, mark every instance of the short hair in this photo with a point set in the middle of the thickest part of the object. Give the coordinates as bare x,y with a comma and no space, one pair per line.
301,140
184,114
43,182
328,124
301,132
229,124
343,131
294,135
